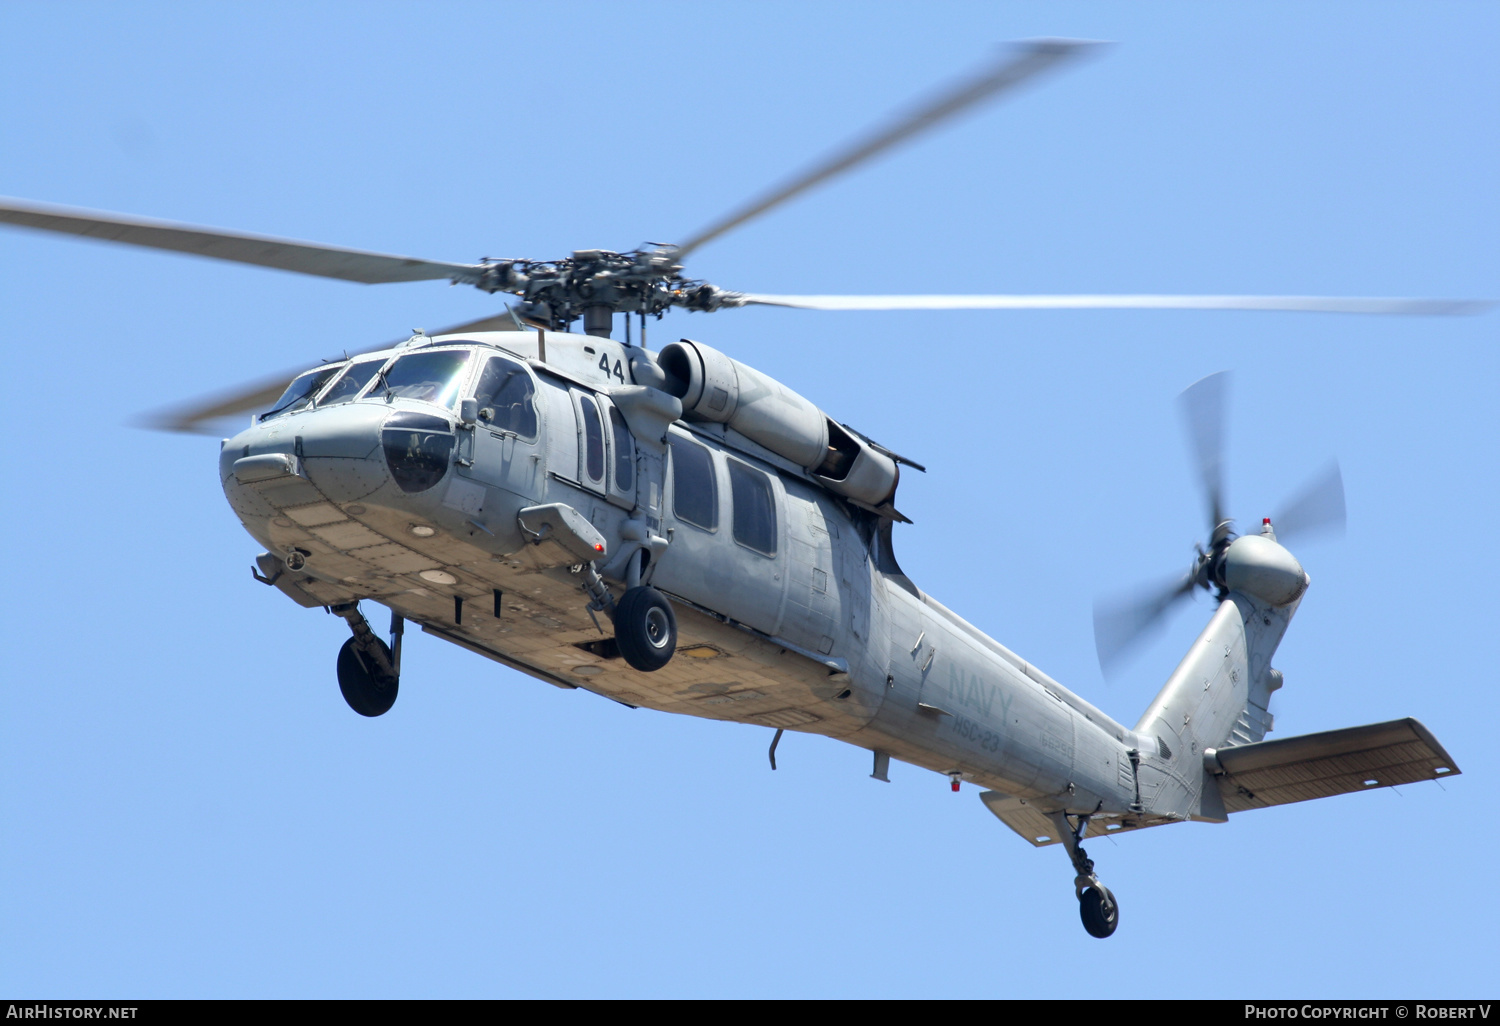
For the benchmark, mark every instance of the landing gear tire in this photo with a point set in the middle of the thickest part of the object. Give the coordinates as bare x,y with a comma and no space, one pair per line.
367,691
1099,911
645,628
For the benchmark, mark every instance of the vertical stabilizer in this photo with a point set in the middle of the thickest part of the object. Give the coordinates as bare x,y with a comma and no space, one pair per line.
1217,697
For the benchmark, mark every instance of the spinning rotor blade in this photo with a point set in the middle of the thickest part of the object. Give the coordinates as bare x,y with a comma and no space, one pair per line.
1034,57
1121,622
199,417
1319,507
506,321
196,418
1202,405
261,250
1299,304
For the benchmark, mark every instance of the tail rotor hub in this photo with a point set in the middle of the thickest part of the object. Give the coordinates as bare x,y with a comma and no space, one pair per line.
1208,572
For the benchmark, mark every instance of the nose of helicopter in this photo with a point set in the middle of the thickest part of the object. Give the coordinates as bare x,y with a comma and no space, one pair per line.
337,451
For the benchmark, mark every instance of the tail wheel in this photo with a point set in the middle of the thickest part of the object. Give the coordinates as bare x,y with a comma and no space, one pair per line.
368,692
1099,911
645,628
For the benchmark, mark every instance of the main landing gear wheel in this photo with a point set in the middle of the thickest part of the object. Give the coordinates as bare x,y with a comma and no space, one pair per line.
368,691
1097,907
645,628
1099,911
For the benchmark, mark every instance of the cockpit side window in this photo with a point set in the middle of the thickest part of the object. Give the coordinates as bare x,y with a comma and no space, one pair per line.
433,377
505,394
301,391
695,493
351,381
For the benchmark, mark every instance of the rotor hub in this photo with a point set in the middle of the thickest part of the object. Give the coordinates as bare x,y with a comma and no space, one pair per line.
643,281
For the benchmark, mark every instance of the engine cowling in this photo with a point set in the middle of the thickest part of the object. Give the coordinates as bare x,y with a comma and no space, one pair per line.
716,388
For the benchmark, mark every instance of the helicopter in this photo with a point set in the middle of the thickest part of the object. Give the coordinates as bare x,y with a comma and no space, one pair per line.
675,530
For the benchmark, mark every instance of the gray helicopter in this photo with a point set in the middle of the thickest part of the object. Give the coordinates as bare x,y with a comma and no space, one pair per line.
676,530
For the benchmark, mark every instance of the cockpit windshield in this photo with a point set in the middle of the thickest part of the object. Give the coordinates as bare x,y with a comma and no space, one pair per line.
301,391
431,376
355,378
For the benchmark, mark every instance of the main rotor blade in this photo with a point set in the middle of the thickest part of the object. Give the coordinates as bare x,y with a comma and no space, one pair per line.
1014,68
198,417
1298,304
1319,507
1120,623
239,247
506,321
1202,404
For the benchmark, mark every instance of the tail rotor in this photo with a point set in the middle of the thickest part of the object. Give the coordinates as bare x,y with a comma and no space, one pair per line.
1203,406
1317,509
1123,621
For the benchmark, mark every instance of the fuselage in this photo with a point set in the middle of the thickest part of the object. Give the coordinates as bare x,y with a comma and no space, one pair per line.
379,481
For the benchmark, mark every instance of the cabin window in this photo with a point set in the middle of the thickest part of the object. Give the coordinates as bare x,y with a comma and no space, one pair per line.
754,508
352,382
593,439
624,448
695,496
505,393
432,377
301,391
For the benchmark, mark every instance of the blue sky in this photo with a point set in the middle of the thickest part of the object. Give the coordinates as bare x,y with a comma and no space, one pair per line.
190,809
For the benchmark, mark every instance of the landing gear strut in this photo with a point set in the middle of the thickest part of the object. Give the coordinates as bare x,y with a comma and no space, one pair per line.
645,626
1096,905
369,671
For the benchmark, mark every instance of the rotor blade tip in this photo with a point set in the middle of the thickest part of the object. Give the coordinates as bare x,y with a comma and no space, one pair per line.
1466,307
1065,44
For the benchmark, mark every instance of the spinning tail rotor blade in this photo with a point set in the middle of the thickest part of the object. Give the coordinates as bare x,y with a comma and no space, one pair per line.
1293,304
1034,57
239,247
1203,405
1318,508
1122,622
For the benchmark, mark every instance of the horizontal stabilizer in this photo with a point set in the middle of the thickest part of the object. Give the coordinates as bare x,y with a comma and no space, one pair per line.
1033,821
1297,769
